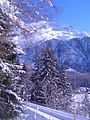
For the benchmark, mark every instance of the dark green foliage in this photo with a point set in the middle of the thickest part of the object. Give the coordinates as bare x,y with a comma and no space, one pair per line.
37,94
66,91
7,111
7,51
5,80
8,59
86,105
44,78
65,83
50,76
7,105
49,87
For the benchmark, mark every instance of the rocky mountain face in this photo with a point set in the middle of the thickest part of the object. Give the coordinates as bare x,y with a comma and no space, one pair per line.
74,53
70,47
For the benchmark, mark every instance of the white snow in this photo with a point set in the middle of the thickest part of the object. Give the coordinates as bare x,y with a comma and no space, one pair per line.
71,70
78,99
10,92
45,31
4,66
37,111
19,50
11,10
49,33
8,68
85,34
4,2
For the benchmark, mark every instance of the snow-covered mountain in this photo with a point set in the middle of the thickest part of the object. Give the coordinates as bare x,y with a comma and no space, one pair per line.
70,47
47,31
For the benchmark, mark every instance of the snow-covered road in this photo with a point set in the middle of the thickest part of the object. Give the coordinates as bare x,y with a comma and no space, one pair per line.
37,112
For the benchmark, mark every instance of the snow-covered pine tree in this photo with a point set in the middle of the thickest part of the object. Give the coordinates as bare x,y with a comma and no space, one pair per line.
47,75
8,81
50,75
9,69
26,82
85,108
37,94
66,91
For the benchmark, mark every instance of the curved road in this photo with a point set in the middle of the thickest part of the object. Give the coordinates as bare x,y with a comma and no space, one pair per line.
37,112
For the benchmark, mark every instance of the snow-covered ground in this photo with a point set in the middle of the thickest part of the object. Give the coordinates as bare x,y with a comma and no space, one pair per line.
37,112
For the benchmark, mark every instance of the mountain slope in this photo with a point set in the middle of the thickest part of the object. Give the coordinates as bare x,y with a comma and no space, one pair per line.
74,53
70,47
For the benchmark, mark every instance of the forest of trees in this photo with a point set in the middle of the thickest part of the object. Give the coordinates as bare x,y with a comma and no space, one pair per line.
51,88
13,19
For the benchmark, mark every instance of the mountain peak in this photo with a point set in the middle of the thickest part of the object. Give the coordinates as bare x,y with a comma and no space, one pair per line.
47,31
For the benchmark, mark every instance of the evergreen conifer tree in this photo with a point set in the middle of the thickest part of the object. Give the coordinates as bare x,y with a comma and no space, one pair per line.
9,70
37,94
86,105
49,87
46,76
50,75
66,91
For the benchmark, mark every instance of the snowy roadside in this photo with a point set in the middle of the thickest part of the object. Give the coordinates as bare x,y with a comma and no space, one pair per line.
37,112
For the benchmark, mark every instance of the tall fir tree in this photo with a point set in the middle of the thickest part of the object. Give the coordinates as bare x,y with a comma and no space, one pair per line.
37,94
51,75
66,91
49,87
85,109
46,76
10,68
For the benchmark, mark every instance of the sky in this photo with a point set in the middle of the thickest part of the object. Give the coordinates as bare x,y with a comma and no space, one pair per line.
74,12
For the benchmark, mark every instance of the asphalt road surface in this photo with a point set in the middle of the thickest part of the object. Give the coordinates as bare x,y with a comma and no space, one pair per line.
37,112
